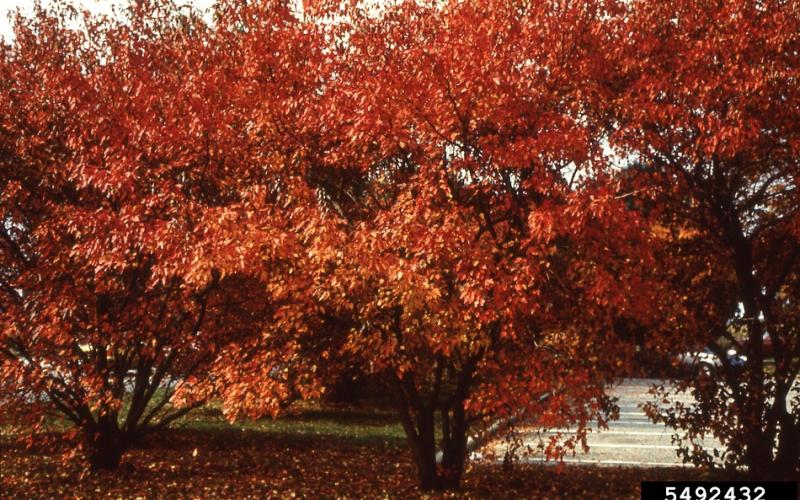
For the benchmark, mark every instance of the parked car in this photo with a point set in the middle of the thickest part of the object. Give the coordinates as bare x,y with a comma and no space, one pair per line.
706,362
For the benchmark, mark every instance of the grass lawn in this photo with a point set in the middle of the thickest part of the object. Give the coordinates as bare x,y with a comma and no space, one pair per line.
315,452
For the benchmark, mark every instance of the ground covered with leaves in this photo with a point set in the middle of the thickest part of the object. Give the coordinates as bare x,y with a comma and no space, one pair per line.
314,453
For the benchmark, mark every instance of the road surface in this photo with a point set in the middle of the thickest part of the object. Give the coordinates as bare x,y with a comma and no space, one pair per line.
633,440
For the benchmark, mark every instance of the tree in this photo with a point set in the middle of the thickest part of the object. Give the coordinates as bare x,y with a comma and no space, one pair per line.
706,101
285,68
487,250
132,203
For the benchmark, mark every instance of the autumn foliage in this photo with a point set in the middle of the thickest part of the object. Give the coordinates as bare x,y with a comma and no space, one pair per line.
478,219
135,194
705,98
475,203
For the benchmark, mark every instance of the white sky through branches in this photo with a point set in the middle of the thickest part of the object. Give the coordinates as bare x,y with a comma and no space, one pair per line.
94,6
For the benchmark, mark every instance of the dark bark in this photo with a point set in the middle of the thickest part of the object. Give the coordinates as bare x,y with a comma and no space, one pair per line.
105,445
418,418
446,474
454,444
787,461
757,300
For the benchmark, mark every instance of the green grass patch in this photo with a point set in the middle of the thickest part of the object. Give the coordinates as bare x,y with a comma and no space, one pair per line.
305,420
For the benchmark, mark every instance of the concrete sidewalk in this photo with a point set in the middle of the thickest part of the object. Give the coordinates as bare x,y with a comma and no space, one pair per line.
631,440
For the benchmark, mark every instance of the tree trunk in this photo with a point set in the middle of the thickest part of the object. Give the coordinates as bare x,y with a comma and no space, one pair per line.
425,449
446,474
787,462
454,444
758,456
419,425
104,448
442,476
417,414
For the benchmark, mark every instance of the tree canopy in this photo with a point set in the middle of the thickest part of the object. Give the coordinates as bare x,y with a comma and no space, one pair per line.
487,206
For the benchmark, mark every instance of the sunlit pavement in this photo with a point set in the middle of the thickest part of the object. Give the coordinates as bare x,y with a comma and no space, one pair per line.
633,440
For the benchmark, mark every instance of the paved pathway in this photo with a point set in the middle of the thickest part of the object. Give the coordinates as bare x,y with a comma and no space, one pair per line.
631,440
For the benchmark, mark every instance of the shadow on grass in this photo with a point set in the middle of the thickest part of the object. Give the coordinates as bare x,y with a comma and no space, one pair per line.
303,423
